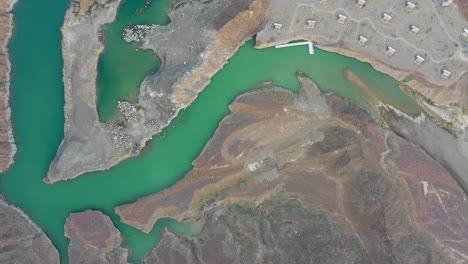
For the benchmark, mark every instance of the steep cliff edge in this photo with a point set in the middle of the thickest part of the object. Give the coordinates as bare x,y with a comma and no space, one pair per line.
7,143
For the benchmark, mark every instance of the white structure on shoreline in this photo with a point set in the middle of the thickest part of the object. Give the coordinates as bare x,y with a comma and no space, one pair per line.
308,43
390,51
362,40
418,60
311,23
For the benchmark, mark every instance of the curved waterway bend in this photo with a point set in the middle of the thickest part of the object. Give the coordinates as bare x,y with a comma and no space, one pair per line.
37,103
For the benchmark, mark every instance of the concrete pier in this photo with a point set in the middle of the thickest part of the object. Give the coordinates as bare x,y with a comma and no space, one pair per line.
310,44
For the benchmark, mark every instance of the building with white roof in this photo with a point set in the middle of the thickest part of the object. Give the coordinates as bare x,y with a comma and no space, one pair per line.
360,3
386,18
410,6
310,23
445,74
362,40
414,29
390,51
277,26
418,60
341,19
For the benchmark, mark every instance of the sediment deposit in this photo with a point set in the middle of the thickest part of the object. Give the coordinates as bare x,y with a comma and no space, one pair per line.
7,143
21,241
309,170
94,239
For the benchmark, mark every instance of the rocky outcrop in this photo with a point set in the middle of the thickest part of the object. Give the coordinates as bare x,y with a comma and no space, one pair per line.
81,47
190,56
275,232
21,241
309,170
94,239
7,143
283,231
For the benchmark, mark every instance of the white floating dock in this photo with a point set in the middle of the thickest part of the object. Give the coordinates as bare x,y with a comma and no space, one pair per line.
308,43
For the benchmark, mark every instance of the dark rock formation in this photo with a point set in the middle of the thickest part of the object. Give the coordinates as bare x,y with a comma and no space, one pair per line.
282,231
21,241
94,239
275,232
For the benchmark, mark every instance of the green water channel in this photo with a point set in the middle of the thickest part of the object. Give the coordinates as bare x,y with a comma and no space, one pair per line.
37,108
121,67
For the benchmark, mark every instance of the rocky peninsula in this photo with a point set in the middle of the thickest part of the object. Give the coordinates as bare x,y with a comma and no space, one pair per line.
21,241
293,177
7,142
190,57
94,239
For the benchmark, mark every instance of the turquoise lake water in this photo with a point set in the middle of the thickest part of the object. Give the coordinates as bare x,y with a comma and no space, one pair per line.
37,107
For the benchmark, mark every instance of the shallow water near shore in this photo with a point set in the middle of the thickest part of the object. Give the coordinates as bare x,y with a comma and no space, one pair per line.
37,108
121,67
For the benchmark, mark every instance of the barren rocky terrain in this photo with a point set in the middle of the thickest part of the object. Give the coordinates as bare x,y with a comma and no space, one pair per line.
81,46
94,239
463,7
293,177
439,40
190,57
21,241
7,144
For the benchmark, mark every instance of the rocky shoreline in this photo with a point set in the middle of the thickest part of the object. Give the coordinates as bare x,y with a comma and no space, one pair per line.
7,142
446,97
21,240
190,57
285,167
85,137
94,239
